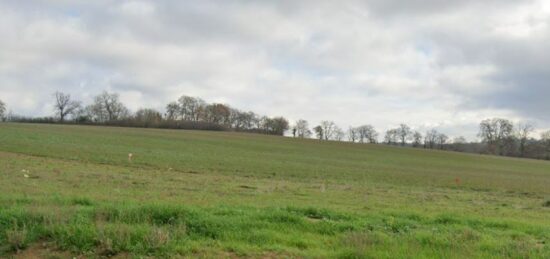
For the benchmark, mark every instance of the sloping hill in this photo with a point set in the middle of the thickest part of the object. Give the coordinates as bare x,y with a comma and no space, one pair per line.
228,194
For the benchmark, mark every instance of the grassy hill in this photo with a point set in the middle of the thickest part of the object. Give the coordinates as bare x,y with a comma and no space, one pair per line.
71,190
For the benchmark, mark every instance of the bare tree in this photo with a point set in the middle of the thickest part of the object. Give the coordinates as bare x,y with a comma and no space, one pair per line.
302,129
339,134
545,139
522,133
391,137
431,138
217,113
64,105
328,129
2,111
497,134
95,113
148,117
107,107
256,121
235,119
240,120
353,134
367,133
404,133
247,120
191,108
442,140
417,139
172,111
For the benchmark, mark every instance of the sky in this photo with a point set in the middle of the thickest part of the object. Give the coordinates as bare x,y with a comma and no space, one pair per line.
427,63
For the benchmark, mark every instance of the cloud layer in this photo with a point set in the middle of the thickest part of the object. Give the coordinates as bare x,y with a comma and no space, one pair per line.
430,63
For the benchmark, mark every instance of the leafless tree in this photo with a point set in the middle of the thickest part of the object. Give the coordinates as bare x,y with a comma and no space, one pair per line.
431,138
235,119
256,121
523,131
247,120
95,113
353,134
217,113
442,140
367,133
339,134
2,111
417,139
404,133
172,111
302,129
497,134
329,128
391,137
107,107
191,108
64,105
148,117
240,120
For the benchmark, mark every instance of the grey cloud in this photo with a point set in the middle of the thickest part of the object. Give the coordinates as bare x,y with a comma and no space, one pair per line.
430,63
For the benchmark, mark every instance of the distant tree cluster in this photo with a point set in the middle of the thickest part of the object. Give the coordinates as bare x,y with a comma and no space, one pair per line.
193,109
185,113
362,134
502,137
498,136
2,111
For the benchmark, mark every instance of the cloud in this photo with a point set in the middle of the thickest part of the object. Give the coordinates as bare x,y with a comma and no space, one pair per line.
445,64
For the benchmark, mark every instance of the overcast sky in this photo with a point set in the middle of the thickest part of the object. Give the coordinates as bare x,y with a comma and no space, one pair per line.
431,63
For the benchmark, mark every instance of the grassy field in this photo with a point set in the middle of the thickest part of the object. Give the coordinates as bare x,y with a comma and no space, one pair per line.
72,191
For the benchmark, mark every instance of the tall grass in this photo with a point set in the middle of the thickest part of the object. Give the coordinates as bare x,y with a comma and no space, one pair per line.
160,229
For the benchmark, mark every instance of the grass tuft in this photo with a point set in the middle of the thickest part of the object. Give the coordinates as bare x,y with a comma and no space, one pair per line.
17,238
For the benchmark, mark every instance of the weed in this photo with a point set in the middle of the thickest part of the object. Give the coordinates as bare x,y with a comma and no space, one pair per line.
17,238
157,238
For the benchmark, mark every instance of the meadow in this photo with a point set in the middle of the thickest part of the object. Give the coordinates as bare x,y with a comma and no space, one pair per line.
72,191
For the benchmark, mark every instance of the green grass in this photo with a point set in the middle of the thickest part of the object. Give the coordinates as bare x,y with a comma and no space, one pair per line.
220,194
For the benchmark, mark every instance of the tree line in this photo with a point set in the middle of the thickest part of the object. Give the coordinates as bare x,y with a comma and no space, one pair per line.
498,136
184,113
